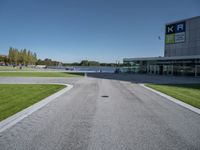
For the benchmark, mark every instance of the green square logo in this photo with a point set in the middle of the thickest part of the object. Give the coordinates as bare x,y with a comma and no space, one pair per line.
170,38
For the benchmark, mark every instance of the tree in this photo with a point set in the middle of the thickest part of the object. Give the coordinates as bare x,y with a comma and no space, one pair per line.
21,57
11,55
24,57
89,63
93,63
84,63
15,56
34,58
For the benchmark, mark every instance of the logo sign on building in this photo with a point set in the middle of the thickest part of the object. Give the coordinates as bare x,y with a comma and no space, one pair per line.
175,33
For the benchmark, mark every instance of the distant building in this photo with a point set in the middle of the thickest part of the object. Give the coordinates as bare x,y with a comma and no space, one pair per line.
181,54
2,63
40,66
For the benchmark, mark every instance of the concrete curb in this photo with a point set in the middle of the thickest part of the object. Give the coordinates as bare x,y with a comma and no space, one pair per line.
12,120
194,109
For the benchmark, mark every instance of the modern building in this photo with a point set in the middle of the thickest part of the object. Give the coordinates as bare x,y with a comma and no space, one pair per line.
181,54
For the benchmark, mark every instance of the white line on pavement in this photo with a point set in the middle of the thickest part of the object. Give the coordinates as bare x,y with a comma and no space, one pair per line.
194,109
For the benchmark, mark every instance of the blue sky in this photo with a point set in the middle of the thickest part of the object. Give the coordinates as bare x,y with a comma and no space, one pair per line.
102,30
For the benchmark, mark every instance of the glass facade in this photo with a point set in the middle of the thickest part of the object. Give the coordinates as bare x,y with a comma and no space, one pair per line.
177,67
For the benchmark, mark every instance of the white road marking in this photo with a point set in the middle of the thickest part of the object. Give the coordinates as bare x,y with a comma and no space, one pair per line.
194,109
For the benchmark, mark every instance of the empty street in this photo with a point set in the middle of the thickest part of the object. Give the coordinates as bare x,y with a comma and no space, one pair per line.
105,114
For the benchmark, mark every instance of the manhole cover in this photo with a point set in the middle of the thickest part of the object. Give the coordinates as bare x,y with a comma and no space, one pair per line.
105,96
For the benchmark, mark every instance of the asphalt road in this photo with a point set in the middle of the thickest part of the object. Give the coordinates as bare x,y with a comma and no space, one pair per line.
130,118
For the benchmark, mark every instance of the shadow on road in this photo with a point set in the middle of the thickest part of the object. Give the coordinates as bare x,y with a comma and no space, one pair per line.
143,78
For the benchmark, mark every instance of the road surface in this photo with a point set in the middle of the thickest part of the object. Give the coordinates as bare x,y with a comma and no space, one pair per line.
104,114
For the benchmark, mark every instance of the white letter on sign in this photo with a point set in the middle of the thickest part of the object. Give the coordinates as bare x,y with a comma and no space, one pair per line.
180,27
170,29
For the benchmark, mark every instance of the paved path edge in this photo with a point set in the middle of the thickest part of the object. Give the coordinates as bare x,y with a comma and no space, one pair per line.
194,109
12,120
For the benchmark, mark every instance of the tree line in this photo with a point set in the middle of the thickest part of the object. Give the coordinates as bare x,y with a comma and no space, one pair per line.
21,57
26,57
47,62
90,63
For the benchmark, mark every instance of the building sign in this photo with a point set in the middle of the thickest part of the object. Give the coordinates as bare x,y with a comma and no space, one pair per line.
175,33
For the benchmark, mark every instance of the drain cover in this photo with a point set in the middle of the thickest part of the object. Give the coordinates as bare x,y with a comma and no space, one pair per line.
105,96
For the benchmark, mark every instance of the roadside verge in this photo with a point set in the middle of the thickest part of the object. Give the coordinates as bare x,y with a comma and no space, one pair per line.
194,109
12,120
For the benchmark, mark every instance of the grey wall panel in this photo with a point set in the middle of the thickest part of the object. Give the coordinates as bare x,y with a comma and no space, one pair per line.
191,46
198,35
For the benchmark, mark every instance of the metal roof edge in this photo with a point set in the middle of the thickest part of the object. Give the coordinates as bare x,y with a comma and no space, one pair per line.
183,20
163,58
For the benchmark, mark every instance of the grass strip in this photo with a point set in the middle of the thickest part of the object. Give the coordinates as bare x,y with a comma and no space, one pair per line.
16,97
188,93
40,74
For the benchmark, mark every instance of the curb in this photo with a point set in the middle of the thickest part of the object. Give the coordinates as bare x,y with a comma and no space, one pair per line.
12,120
194,109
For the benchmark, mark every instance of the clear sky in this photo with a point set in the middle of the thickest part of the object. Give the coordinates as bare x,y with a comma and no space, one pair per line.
102,30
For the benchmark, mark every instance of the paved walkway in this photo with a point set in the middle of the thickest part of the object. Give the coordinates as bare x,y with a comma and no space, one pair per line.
131,117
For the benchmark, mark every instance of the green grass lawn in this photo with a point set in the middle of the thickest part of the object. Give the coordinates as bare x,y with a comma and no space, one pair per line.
40,74
188,93
16,97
